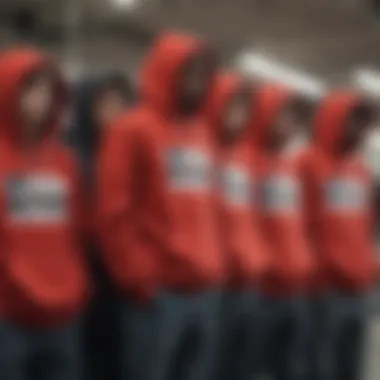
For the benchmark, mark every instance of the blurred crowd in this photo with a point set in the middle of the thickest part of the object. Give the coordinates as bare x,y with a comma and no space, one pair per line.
180,230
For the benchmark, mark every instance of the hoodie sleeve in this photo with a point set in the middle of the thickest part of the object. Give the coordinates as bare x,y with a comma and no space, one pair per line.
312,203
81,217
309,197
286,232
126,256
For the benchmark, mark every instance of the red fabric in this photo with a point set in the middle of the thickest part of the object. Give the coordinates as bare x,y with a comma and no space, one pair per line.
291,262
240,233
342,237
44,279
155,234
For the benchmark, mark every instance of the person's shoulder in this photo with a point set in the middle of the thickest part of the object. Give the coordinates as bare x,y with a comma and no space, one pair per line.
307,155
307,159
67,156
136,121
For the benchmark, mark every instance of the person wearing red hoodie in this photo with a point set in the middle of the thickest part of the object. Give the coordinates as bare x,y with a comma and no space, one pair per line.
285,319
158,217
229,109
44,282
340,226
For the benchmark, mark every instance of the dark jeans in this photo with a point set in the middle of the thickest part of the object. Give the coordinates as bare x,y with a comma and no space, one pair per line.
173,338
240,345
339,323
27,354
102,340
102,328
286,337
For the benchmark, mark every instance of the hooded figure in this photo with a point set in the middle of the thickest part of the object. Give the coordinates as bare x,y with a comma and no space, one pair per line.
240,233
44,283
282,209
285,321
85,133
340,226
93,96
229,111
157,211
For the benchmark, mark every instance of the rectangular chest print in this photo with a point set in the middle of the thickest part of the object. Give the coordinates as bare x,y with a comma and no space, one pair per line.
36,198
281,194
236,186
188,170
346,195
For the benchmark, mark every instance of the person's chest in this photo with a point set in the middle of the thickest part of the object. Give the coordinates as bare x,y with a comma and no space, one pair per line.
235,179
187,158
281,188
35,189
344,187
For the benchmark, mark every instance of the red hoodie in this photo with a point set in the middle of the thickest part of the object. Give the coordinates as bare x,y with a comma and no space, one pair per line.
339,205
240,233
42,219
282,203
156,200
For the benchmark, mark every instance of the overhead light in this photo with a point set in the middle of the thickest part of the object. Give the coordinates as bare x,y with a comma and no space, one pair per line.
261,66
125,4
368,80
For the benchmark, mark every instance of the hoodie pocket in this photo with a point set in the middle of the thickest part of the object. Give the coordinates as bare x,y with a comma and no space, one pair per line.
47,269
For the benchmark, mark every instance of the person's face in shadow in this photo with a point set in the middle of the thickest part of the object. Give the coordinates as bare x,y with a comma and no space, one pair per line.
357,126
109,105
36,102
236,116
194,82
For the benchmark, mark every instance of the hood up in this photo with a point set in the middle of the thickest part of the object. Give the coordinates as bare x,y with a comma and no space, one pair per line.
163,66
226,86
269,100
332,116
16,66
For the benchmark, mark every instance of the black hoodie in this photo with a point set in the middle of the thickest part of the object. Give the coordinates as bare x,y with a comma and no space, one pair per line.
83,137
83,133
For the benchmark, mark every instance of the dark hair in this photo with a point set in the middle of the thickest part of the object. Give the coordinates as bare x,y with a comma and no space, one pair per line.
245,93
120,83
303,108
364,111
35,76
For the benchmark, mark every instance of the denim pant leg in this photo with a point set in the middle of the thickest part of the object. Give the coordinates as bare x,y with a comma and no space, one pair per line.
267,320
251,357
103,339
174,312
206,310
238,335
14,352
351,342
229,333
58,352
317,336
261,328
343,320
288,336
328,323
138,340
101,325
298,339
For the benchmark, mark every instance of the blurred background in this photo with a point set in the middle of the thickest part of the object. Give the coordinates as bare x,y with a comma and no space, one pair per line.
327,39
308,44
